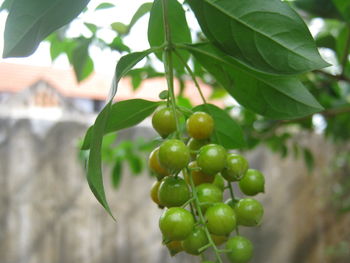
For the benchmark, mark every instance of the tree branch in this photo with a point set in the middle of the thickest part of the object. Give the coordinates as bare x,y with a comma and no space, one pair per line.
341,77
326,113
344,59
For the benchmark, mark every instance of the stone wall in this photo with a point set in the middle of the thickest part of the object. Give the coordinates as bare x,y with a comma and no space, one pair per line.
48,214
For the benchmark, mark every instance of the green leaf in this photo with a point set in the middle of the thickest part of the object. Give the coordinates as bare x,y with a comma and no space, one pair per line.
180,33
92,27
80,59
123,29
6,5
309,159
140,12
271,96
29,22
135,163
265,35
126,63
94,173
184,102
342,43
117,173
321,8
327,41
124,114
104,6
112,118
163,95
118,44
59,44
120,28
343,7
227,132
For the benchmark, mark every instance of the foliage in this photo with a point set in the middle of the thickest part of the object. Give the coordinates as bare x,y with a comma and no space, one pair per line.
249,65
259,52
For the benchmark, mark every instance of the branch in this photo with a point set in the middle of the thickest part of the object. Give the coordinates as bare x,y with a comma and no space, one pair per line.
341,77
344,59
326,113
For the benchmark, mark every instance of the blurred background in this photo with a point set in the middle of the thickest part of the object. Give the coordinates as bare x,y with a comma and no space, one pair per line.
48,100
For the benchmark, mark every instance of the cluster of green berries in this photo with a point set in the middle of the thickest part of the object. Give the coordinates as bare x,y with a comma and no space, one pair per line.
191,175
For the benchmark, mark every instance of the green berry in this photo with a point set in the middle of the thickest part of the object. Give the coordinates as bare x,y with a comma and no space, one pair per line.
176,224
249,212
173,155
221,219
196,240
241,249
173,192
236,167
211,159
252,183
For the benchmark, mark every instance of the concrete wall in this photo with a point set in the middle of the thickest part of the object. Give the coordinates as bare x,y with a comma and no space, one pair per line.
48,214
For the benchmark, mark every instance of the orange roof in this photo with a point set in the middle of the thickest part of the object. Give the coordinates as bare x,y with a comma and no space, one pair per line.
17,77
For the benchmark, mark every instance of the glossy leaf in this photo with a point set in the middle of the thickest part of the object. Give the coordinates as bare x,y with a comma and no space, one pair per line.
124,114
29,22
94,173
227,132
126,63
265,35
112,118
271,96
343,7
180,33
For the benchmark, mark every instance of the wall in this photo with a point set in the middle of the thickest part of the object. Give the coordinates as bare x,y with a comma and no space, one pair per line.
48,214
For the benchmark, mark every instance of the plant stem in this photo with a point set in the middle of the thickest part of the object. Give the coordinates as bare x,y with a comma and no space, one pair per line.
229,186
233,199
336,77
344,59
166,22
168,64
188,202
189,70
200,214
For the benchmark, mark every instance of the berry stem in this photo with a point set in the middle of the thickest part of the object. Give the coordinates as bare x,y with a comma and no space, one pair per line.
188,202
200,214
229,186
204,247
189,70
192,211
196,84
168,63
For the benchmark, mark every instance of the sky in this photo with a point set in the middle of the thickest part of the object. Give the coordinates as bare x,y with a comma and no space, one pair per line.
104,60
